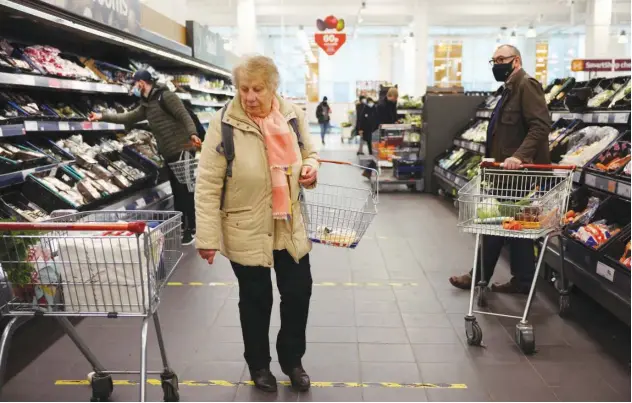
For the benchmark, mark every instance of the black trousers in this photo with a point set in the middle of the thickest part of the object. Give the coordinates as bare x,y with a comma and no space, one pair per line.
183,200
520,258
255,306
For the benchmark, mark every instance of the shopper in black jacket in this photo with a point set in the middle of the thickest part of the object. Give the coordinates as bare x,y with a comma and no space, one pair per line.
387,108
366,124
323,114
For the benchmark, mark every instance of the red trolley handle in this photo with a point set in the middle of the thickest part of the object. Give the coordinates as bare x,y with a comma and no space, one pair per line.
137,227
489,164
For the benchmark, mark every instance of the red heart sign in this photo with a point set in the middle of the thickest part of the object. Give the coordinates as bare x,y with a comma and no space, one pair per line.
330,43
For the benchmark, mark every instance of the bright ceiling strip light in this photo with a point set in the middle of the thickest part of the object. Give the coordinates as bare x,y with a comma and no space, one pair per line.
116,38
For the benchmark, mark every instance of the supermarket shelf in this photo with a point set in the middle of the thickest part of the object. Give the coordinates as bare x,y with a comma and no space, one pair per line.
451,177
185,96
605,117
619,187
28,80
143,199
410,111
210,90
206,103
470,145
15,178
32,126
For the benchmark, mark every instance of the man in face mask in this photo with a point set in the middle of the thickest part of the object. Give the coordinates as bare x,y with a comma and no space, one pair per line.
175,133
518,133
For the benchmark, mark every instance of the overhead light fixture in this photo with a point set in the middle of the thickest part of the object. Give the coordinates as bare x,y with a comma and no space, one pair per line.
531,32
513,38
623,37
360,19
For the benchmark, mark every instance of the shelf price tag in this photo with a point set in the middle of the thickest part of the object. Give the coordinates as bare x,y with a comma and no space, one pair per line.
30,126
591,180
64,126
103,88
1,132
602,117
140,203
621,118
623,190
587,118
605,271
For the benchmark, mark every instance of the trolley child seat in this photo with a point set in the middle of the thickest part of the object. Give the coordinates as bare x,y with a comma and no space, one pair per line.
529,203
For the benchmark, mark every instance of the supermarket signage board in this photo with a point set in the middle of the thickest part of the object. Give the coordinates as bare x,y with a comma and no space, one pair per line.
601,65
206,44
330,42
123,15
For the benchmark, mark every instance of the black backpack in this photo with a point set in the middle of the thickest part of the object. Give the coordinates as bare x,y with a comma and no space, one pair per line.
227,146
201,132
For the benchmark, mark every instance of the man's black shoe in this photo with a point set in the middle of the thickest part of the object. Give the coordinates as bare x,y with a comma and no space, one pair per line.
187,238
264,380
298,378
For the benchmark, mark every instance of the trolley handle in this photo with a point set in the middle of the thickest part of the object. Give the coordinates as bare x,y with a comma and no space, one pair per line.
137,227
489,164
375,171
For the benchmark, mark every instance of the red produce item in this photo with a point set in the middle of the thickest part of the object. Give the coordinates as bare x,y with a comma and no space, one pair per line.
331,22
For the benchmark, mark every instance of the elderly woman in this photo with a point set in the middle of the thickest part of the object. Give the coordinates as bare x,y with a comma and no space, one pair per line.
253,216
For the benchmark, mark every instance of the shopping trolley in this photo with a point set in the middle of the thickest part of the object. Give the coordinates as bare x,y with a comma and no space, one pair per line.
185,169
338,215
528,203
108,264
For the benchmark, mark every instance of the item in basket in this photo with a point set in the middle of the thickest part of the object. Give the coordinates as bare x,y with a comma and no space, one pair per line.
101,172
87,190
336,235
596,234
625,258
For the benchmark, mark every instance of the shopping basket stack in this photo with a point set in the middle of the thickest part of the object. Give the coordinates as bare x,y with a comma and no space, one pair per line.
105,264
528,203
337,215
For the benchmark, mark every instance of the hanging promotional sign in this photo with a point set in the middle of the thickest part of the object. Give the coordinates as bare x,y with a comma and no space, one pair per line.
330,41
120,14
600,65
206,44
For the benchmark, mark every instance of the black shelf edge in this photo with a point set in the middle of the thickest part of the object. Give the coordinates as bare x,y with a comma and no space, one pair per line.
612,185
29,80
473,146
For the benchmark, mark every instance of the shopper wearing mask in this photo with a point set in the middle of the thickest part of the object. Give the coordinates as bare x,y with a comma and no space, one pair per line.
175,133
254,217
323,114
367,125
518,133
387,108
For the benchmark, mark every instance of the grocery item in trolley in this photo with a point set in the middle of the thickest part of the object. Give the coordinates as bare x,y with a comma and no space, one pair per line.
185,169
337,215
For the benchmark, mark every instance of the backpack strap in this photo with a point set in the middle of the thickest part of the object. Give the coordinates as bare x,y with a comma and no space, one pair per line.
294,125
163,105
228,148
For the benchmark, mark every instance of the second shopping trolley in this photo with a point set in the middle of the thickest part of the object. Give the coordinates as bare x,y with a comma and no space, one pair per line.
107,264
528,203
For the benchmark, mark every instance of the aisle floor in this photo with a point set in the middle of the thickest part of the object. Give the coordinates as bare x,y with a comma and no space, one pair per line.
383,318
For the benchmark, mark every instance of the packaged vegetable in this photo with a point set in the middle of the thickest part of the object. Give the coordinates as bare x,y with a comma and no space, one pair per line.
625,258
585,144
596,234
600,98
586,215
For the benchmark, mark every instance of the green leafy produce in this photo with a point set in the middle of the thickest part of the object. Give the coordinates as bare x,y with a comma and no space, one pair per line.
14,252
510,209
600,98
488,210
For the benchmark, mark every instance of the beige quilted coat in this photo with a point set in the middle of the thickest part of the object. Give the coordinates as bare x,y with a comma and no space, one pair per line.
244,230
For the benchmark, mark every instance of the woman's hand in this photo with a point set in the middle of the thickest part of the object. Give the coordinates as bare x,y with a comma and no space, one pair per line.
308,175
207,254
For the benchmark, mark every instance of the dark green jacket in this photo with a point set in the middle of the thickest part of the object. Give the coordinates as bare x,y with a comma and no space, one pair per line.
172,135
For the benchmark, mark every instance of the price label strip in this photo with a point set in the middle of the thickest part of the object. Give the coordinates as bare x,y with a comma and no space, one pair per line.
605,271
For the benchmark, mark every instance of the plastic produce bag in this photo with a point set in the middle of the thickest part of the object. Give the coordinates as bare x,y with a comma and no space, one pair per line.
587,143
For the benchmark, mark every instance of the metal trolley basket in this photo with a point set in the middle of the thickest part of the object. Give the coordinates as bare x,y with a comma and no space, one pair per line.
529,204
338,215
105,264
185,169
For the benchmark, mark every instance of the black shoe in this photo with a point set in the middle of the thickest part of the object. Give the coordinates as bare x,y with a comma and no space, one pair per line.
511,287
264,380
298,378
187,238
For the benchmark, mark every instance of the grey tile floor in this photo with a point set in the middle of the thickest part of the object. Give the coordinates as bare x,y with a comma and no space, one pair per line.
383,313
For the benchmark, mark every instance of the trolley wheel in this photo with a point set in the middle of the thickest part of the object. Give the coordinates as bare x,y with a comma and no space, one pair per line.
564,305
102,386
473,332
481,296
525,338
170,387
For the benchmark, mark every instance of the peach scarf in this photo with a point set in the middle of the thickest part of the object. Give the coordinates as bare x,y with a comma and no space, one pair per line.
281,156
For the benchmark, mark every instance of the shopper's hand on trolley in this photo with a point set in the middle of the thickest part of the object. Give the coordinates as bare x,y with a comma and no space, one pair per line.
308,175
94,116
512,163
207,254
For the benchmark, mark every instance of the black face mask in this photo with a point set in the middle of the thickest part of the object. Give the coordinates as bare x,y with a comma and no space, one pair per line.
502,71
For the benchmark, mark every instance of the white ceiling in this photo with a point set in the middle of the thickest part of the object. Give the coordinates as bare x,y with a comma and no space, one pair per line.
448,13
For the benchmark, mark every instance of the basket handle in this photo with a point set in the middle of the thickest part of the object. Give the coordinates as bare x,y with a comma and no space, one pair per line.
375,194
137,227
489,164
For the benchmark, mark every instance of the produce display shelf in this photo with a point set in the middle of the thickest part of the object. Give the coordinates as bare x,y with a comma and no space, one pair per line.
32,126
28,80
210,90
410,111
15,178
144,199
206,103
451,177
617,186
470,145
185,96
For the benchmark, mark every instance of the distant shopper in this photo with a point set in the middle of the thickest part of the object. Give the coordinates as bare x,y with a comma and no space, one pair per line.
254,217
323,114
175,133
387,108
367,124
517,133
358,106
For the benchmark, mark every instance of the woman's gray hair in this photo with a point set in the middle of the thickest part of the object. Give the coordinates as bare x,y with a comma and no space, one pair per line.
257,66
